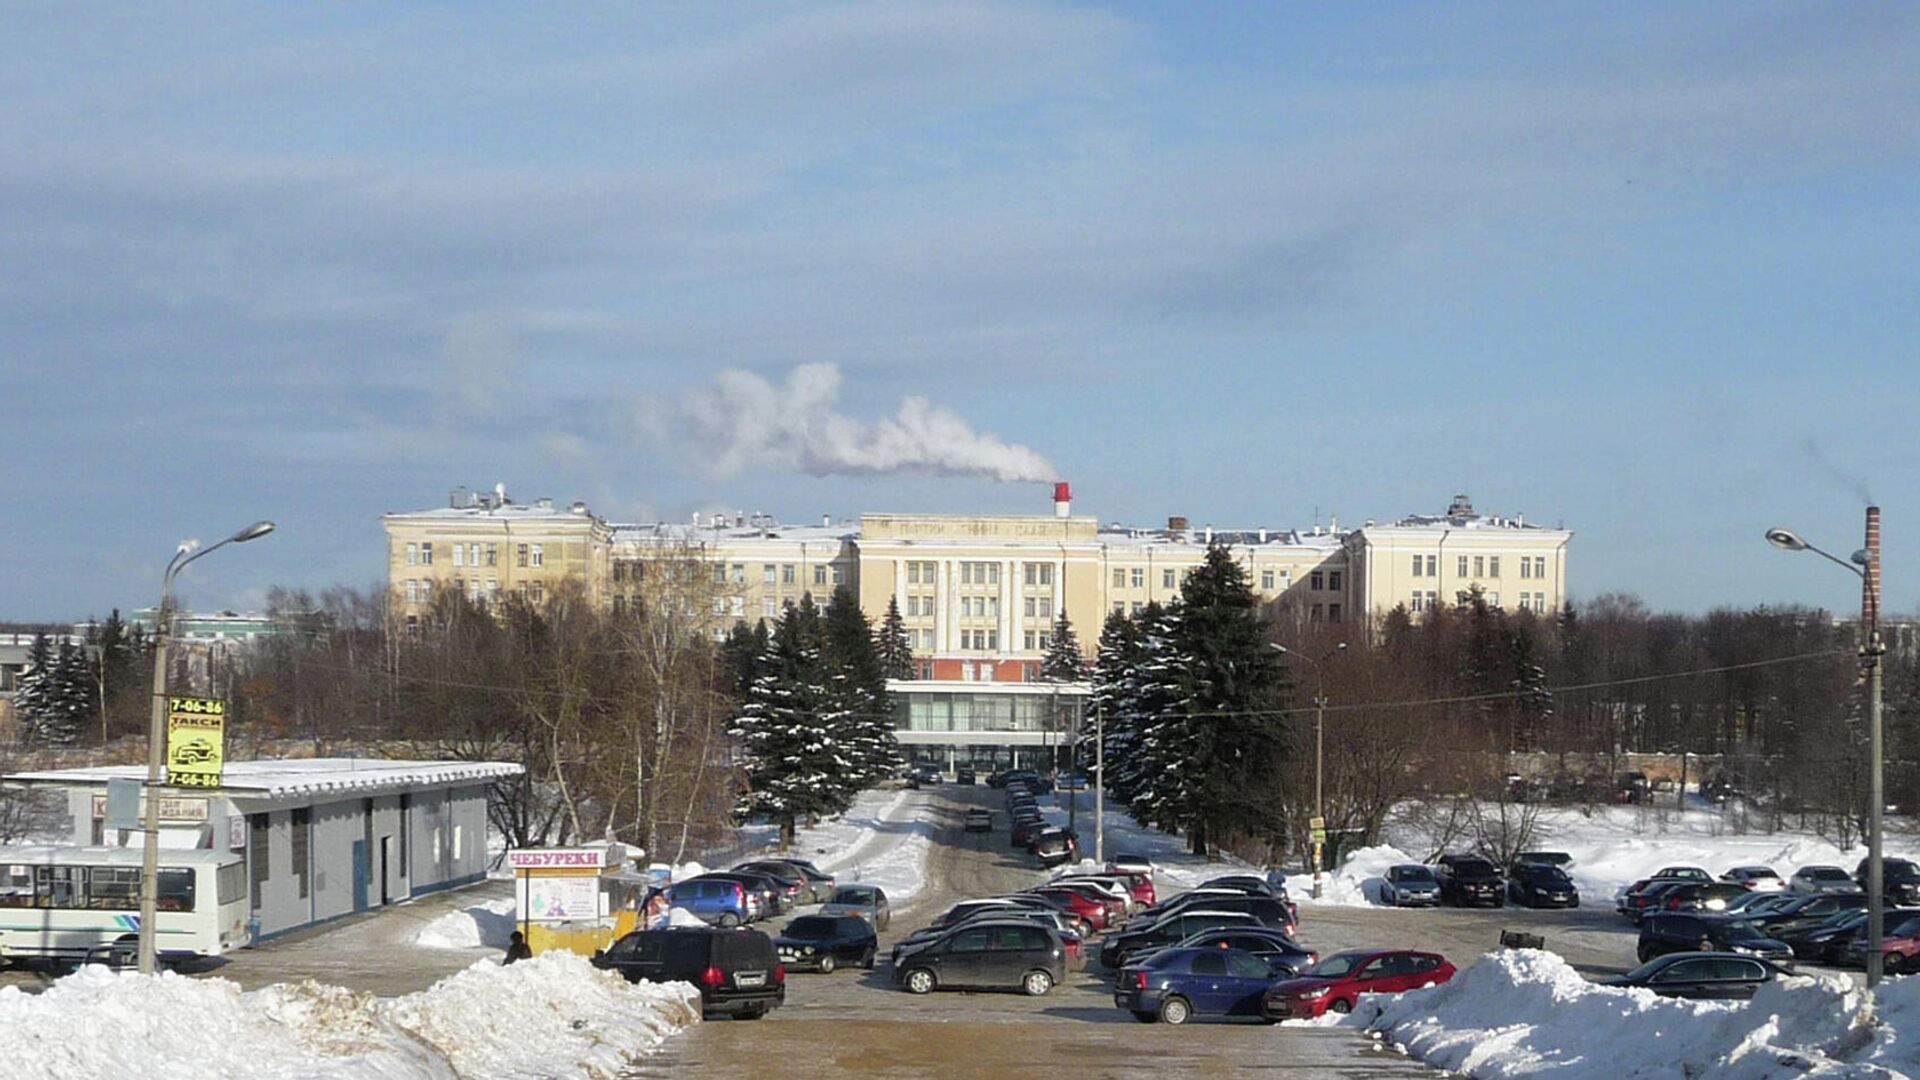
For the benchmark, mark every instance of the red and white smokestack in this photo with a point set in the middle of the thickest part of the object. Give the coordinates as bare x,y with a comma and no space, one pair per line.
1870,581
1062,500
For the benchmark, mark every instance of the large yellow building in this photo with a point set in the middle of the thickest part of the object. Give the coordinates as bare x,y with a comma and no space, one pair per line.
979,593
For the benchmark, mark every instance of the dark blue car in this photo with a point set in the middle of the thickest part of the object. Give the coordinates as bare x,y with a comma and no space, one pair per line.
1176,985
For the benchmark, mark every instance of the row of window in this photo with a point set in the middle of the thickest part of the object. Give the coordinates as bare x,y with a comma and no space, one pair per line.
1430,601
1324,613
420,590
97,888
770,574
1480,566
978,573
476,554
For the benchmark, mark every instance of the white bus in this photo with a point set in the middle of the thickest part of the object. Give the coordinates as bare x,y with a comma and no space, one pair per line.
83,903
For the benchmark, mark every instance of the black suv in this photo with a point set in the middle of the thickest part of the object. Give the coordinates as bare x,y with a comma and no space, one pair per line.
1899,880
1542,885
1672,933
735,970
1466,880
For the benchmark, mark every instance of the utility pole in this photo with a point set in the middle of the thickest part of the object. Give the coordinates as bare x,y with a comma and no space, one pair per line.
1871,650
1099,785
1319,810
156,776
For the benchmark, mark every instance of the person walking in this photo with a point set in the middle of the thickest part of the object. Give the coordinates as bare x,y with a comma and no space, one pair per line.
517,948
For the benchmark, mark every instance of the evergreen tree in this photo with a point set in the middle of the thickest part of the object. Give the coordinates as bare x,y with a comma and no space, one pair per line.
65,699
1110,710
861,679
35,683
740,654
790,729
1064,661
1163,772
895,648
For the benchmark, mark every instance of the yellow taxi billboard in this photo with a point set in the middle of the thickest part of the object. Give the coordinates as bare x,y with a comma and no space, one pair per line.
196,741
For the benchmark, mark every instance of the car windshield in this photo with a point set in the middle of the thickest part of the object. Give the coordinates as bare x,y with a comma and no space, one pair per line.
1827,873
1548,875
811,926
1645,971
1473,868
1742,930
1337,965
1898,868
1758,872
852,896
1411,874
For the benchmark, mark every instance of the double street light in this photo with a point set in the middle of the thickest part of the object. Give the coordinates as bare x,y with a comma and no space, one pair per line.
1319,744
186,553
1866,564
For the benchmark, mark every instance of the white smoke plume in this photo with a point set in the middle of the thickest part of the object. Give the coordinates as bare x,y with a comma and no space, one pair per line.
743,421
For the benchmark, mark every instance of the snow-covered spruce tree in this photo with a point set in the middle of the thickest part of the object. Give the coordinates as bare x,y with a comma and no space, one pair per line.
1229,684
790,729
1167,769
740,655
1109,709
893,645
65,699
1064,661
36,678
868,733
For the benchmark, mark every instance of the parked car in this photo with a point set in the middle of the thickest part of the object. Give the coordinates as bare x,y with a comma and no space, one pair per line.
927,773
1140,885
1542,885
736,970
1683,873
1664,933
1175,985
1056,846
1466,880
798,889
821,881
1830,939
1899,945
1805,910
1015,954
1758,903
768,893
1278,951
1410,885
1549,858
1120,947
1025,829
1117,886
1633,787
1251,884
1755,878
1899,880
1095,908
963,774
1809,880
1266,909
1059,921
1129,863
1700,975
723,903
824,942
979,819
1074,782
868,902
1712,897
1336,983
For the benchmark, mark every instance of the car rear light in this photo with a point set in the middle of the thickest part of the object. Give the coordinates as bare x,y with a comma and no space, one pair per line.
712,977
1139,980
739,893
793,888
779,973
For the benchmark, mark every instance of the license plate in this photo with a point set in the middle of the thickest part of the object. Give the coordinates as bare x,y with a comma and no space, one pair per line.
756,979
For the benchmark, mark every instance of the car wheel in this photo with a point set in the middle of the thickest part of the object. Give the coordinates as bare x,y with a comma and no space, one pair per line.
919,981
1037,983
1341,1006
1175,1010
1144,1016
757,1013
1894,964
729,919
827,964
867,963
1644,954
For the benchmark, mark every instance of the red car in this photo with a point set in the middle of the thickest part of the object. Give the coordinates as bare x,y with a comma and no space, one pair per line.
1140,884
1337,982
1086,908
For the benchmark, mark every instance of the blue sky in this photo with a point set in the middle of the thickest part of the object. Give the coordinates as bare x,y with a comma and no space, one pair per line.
1648,271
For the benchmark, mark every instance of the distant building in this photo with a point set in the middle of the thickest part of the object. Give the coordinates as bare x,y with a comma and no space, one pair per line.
323,837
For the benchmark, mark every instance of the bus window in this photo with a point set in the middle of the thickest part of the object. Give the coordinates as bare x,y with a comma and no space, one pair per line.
59,886
16,886
176,890
230,883
115,888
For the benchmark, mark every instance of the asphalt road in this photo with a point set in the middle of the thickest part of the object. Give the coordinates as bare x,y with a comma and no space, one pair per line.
854,1023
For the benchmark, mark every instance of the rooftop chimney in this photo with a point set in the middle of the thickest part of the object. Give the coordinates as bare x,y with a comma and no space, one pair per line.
578,507
1263,536
543,503
826,521
1870,581
460,498
1062,500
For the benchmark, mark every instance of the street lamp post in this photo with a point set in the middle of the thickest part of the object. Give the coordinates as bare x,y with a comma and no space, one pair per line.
157,732
1319,747
1866,564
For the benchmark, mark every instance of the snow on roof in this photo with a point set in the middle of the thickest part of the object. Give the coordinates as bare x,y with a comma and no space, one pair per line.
683,533
110,856
1120,535
303,776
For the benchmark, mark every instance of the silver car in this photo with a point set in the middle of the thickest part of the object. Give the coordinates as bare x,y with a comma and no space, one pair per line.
1410,885
1821,879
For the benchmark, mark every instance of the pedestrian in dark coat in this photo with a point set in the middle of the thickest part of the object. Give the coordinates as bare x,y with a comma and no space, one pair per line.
517,948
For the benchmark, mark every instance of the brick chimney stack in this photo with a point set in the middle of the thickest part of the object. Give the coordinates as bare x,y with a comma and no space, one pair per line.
1870,581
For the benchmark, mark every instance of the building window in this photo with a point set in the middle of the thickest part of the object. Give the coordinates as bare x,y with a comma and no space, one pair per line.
719,605
1333,580
1314,614
537,593
1046,640
426,553
413,591
913,573
1463,566
1139,578
493,554
539,555
1316,581
1166,579
413,554
768,574
839,576
788,575
1415,606
259,856
1333,612
1493,566
1526,567
1540,567
1137,606
520,556
493,591
737,606
1119,607
1493,599
1119,578
619,604
1433,566
1266,580
926,606
302,830
1479,566
1416,566
819,575
769,607
619,570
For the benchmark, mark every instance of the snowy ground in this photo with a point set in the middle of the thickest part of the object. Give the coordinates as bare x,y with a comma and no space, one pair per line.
553,1016
883,840
1612,847
1528,1014
1173,864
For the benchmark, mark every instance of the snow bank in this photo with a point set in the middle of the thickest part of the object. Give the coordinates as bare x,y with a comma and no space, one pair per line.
481,926
553,1016
1528,1014
1355,884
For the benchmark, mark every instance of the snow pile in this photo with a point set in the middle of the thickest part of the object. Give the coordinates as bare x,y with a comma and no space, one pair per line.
883,840
481,926
1355,884
553,1016
1528,1014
